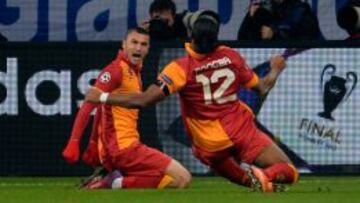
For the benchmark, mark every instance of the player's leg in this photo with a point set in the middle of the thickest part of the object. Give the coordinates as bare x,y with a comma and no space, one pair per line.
115,180
177,175
257,148
230,169
276,165
243,174
174,178
223,163
145,167
98,172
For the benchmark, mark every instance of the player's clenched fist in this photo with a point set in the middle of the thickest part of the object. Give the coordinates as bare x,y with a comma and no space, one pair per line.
277,63
71,152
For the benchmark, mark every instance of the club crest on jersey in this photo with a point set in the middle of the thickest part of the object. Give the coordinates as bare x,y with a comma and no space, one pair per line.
105,77
166,79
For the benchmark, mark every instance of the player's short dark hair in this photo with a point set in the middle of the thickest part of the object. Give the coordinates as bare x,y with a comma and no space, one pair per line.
138,30
205,34
161,5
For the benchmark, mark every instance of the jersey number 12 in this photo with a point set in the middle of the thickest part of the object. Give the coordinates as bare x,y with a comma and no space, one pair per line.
218,94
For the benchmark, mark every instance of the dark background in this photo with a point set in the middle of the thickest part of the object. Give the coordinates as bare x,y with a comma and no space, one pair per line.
31,144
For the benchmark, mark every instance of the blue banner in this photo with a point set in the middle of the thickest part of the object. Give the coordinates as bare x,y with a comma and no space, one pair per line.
108,20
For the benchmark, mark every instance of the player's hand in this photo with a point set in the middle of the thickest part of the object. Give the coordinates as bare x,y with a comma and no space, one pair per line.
93,95
91,155
71,152
277,63
146,24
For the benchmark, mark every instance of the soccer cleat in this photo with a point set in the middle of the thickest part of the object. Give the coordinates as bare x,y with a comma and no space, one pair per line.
97,183
278,187
259,181
95,175
100,182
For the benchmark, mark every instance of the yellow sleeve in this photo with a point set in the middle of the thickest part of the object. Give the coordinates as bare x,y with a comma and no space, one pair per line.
252,82
173,76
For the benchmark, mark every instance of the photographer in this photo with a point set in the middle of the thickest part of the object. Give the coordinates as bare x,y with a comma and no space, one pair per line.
279,20
348,18
164,23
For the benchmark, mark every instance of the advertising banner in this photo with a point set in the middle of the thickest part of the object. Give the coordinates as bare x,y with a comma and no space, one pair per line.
108,20
314,108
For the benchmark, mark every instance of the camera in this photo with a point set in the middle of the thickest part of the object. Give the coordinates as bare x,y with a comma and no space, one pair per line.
159,28
266,4
189,18
348,18
158,20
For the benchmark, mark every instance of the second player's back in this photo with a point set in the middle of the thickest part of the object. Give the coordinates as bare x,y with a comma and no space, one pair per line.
212,83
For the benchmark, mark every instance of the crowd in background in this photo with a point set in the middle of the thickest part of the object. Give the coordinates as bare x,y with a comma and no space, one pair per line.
271,20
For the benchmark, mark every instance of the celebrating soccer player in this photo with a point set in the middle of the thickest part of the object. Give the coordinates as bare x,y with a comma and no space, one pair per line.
115,139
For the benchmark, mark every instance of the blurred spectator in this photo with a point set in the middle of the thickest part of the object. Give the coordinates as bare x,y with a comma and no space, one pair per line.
348,18
279,20
2,38
164,23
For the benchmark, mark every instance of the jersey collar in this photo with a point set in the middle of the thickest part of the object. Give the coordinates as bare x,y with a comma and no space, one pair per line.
193,53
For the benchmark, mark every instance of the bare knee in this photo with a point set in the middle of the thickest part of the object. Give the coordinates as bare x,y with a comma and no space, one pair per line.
181,176
185,180
182,180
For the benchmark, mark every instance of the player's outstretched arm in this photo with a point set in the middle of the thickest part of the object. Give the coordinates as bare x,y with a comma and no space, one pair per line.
277,65
152,95
71,152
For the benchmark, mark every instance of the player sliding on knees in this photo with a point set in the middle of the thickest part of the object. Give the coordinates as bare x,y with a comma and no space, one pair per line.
114,142
221,126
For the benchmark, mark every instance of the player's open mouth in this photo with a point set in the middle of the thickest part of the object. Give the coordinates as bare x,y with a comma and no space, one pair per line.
137,56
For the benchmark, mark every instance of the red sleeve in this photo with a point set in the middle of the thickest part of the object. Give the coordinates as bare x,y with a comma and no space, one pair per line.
94,132
110,78
91,153
81,120
246,75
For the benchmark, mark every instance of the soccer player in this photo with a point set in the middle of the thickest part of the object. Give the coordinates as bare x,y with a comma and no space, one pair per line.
221,127
115,138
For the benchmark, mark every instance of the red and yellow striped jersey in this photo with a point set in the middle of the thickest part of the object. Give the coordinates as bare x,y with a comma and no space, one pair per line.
208,86
118,128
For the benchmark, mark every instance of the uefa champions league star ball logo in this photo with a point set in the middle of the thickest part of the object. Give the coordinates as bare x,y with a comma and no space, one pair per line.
105,77
335,90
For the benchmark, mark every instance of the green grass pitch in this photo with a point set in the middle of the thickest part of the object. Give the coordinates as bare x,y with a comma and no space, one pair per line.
202,190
